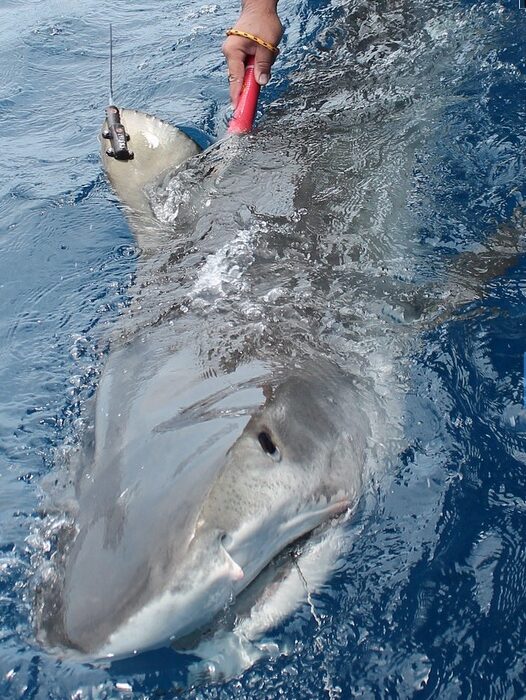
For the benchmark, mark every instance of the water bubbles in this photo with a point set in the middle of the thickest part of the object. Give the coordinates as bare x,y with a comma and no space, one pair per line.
274,294
514,417
252,312
81,346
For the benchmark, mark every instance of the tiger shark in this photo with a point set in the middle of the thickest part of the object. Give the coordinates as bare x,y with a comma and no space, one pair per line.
192,483
180,503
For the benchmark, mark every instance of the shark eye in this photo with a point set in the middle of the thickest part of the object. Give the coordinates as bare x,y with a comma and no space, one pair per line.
268,445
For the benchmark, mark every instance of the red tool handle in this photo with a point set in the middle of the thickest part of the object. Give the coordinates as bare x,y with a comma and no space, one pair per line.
243,119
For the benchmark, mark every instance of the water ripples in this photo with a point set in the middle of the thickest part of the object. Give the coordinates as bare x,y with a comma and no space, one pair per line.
394,147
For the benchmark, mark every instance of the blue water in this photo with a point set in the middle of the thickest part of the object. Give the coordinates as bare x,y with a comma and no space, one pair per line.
431,600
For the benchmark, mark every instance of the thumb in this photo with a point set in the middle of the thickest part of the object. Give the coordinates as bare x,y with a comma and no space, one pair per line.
263,61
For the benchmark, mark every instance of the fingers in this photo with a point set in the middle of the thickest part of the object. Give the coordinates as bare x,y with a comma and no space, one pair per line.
260,19
236,51
263,62
235,57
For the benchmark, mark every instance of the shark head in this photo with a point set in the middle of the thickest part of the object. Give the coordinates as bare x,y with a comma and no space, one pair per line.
294,467
161,551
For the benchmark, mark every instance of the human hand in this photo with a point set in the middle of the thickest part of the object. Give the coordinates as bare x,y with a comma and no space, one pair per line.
258,17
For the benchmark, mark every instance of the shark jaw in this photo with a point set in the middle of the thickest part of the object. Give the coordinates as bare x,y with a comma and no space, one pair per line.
207,590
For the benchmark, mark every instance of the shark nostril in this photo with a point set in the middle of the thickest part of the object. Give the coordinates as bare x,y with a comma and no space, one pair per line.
268,445
226,540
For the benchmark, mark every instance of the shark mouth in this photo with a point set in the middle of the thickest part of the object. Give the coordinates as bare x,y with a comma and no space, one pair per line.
238,561
254,545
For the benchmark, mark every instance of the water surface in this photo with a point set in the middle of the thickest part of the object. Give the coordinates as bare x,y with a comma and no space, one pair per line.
389,143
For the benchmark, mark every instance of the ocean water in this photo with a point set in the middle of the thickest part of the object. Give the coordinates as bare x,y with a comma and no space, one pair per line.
389,155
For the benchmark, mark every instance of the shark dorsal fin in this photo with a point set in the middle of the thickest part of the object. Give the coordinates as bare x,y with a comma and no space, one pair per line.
157,147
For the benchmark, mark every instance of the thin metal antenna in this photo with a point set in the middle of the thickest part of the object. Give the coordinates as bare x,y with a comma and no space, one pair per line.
111,65
113,128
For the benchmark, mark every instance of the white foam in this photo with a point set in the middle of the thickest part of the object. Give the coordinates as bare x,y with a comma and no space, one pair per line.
223,269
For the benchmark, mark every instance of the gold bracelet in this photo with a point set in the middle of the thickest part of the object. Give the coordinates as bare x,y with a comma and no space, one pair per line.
253,37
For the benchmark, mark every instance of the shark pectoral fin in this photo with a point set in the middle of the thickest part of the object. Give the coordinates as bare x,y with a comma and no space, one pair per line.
500,252
223,657
339,506
467,273
157,147
470,271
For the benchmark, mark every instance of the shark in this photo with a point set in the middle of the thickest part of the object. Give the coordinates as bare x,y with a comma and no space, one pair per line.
194,487
174,518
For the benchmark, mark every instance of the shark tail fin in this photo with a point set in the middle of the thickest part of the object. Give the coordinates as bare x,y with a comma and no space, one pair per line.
157,146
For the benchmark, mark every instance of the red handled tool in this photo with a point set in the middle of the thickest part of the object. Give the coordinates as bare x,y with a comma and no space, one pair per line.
243,119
